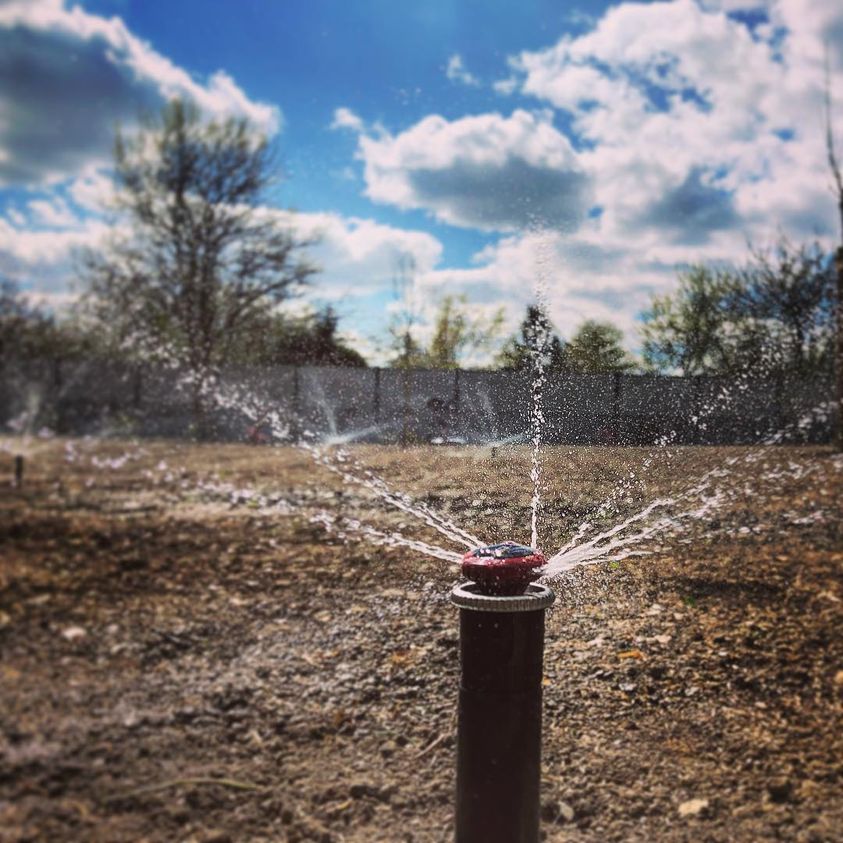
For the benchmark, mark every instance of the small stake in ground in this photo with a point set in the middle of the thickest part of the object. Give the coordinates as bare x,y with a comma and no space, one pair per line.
18,471
499,730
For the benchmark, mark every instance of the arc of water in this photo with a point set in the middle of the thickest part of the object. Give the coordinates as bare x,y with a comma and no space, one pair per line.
618,528
662,445
352,435
280,428
698,489
723,396
399,501
599,547
464,536
342,527
590,552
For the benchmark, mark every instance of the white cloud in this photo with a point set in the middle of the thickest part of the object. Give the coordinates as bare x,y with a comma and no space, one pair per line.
456,71
16,217
67,76
695,123
489,172
52,213
580,277
358,257
41,260
92,190
345,118
505,87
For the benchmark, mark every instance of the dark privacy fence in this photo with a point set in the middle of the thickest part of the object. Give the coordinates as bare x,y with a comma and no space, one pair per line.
389,405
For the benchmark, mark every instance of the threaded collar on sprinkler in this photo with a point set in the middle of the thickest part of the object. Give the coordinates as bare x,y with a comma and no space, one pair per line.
506,568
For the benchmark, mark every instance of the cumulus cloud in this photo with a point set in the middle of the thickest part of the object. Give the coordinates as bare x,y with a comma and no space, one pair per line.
489,171
358,257
690,115
691,210
67,77
37,250
580,277
52,213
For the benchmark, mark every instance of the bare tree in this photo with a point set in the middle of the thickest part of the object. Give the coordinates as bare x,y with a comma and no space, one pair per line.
407,314
199,260
837,177
458,332
408,354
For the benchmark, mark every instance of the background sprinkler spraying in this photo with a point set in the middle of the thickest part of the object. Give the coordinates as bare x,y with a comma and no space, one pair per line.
499,728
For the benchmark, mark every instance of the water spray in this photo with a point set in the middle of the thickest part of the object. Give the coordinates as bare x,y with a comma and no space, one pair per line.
499,725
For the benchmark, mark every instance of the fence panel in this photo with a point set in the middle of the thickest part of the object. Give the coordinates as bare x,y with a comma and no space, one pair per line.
418,405
338,404
28,395
578,408
390,405
493,407
94,397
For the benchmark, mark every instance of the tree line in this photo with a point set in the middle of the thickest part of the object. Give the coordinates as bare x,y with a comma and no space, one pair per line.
199,271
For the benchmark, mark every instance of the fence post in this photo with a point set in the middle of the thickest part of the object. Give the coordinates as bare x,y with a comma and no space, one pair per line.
779,411
137,387
616,407
377,395
454,416
58,410
405,424
296,427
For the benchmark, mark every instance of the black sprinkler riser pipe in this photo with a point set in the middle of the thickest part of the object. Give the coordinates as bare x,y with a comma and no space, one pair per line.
500,713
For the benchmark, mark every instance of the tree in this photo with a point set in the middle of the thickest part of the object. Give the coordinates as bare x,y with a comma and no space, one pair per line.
596,347
837,177
536,333
784,300
17,320
408,352
28,331
685,330
295,341
201,259
457,332
773,316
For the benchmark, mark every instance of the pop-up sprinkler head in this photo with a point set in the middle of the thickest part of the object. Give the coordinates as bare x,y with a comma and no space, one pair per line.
506,568
499,720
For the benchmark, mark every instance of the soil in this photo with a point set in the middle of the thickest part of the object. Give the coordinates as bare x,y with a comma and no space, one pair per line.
191,663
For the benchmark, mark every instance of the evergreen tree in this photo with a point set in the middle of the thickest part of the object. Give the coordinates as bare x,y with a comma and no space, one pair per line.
536,333
596,347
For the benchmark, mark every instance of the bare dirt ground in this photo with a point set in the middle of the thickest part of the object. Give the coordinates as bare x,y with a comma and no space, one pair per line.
194,664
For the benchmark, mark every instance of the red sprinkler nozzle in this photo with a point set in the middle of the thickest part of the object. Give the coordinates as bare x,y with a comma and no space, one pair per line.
506,568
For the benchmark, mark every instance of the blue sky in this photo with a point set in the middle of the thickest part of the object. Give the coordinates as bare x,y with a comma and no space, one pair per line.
597,147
